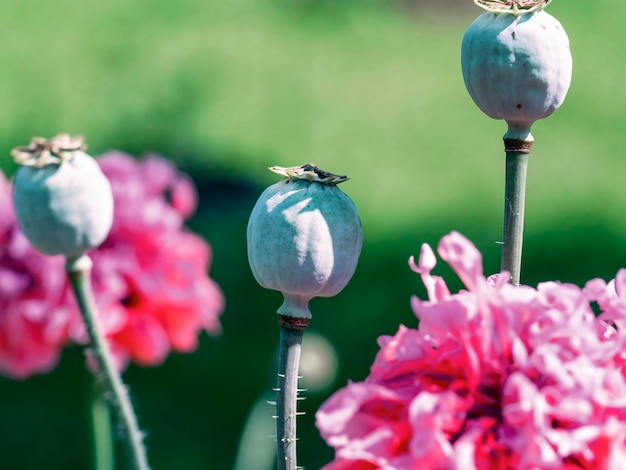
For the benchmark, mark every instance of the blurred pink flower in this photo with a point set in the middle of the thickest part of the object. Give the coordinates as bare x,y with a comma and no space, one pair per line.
495,377
150,276
34,319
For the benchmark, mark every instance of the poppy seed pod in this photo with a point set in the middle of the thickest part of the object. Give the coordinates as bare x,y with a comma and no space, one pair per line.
517,66
63,201
304,237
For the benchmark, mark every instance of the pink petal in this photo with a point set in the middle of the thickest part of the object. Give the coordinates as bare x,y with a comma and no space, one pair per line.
435,285
464,258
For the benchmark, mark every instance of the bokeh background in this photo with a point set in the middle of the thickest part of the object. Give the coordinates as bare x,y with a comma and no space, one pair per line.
371,89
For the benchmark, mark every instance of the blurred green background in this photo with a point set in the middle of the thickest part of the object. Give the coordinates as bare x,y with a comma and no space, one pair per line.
371,89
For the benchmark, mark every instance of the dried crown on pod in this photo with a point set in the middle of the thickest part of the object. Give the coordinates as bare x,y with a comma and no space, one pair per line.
304,237
516,63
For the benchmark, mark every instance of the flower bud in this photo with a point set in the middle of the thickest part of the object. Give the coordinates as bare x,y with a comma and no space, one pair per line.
63,201
517,65
304,237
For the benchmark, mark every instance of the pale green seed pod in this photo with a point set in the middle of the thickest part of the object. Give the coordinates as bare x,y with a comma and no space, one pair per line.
517,66
63,201
304,238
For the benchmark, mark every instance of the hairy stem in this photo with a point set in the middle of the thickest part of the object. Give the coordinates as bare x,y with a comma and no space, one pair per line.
517,153
291,334
79,271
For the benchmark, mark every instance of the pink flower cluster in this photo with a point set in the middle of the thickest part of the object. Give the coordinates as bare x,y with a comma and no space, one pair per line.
495,377
150,276
34,317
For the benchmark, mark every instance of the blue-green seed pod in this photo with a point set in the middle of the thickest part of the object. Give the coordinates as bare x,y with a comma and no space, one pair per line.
517,65
63,201
304,238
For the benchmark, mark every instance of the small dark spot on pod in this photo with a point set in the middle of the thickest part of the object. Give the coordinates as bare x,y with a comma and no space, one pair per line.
519,106
513,34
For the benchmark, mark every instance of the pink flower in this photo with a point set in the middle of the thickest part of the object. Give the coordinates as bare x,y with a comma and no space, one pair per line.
150,276
495,377
34,321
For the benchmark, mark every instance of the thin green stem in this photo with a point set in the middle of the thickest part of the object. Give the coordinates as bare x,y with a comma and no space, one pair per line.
79,271
291,334
103,448
517,153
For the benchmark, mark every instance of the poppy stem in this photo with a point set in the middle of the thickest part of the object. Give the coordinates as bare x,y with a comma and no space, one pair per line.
79,272
101,434
517,153
291,334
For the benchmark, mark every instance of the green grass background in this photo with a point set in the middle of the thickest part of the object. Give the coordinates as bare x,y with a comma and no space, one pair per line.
371,89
